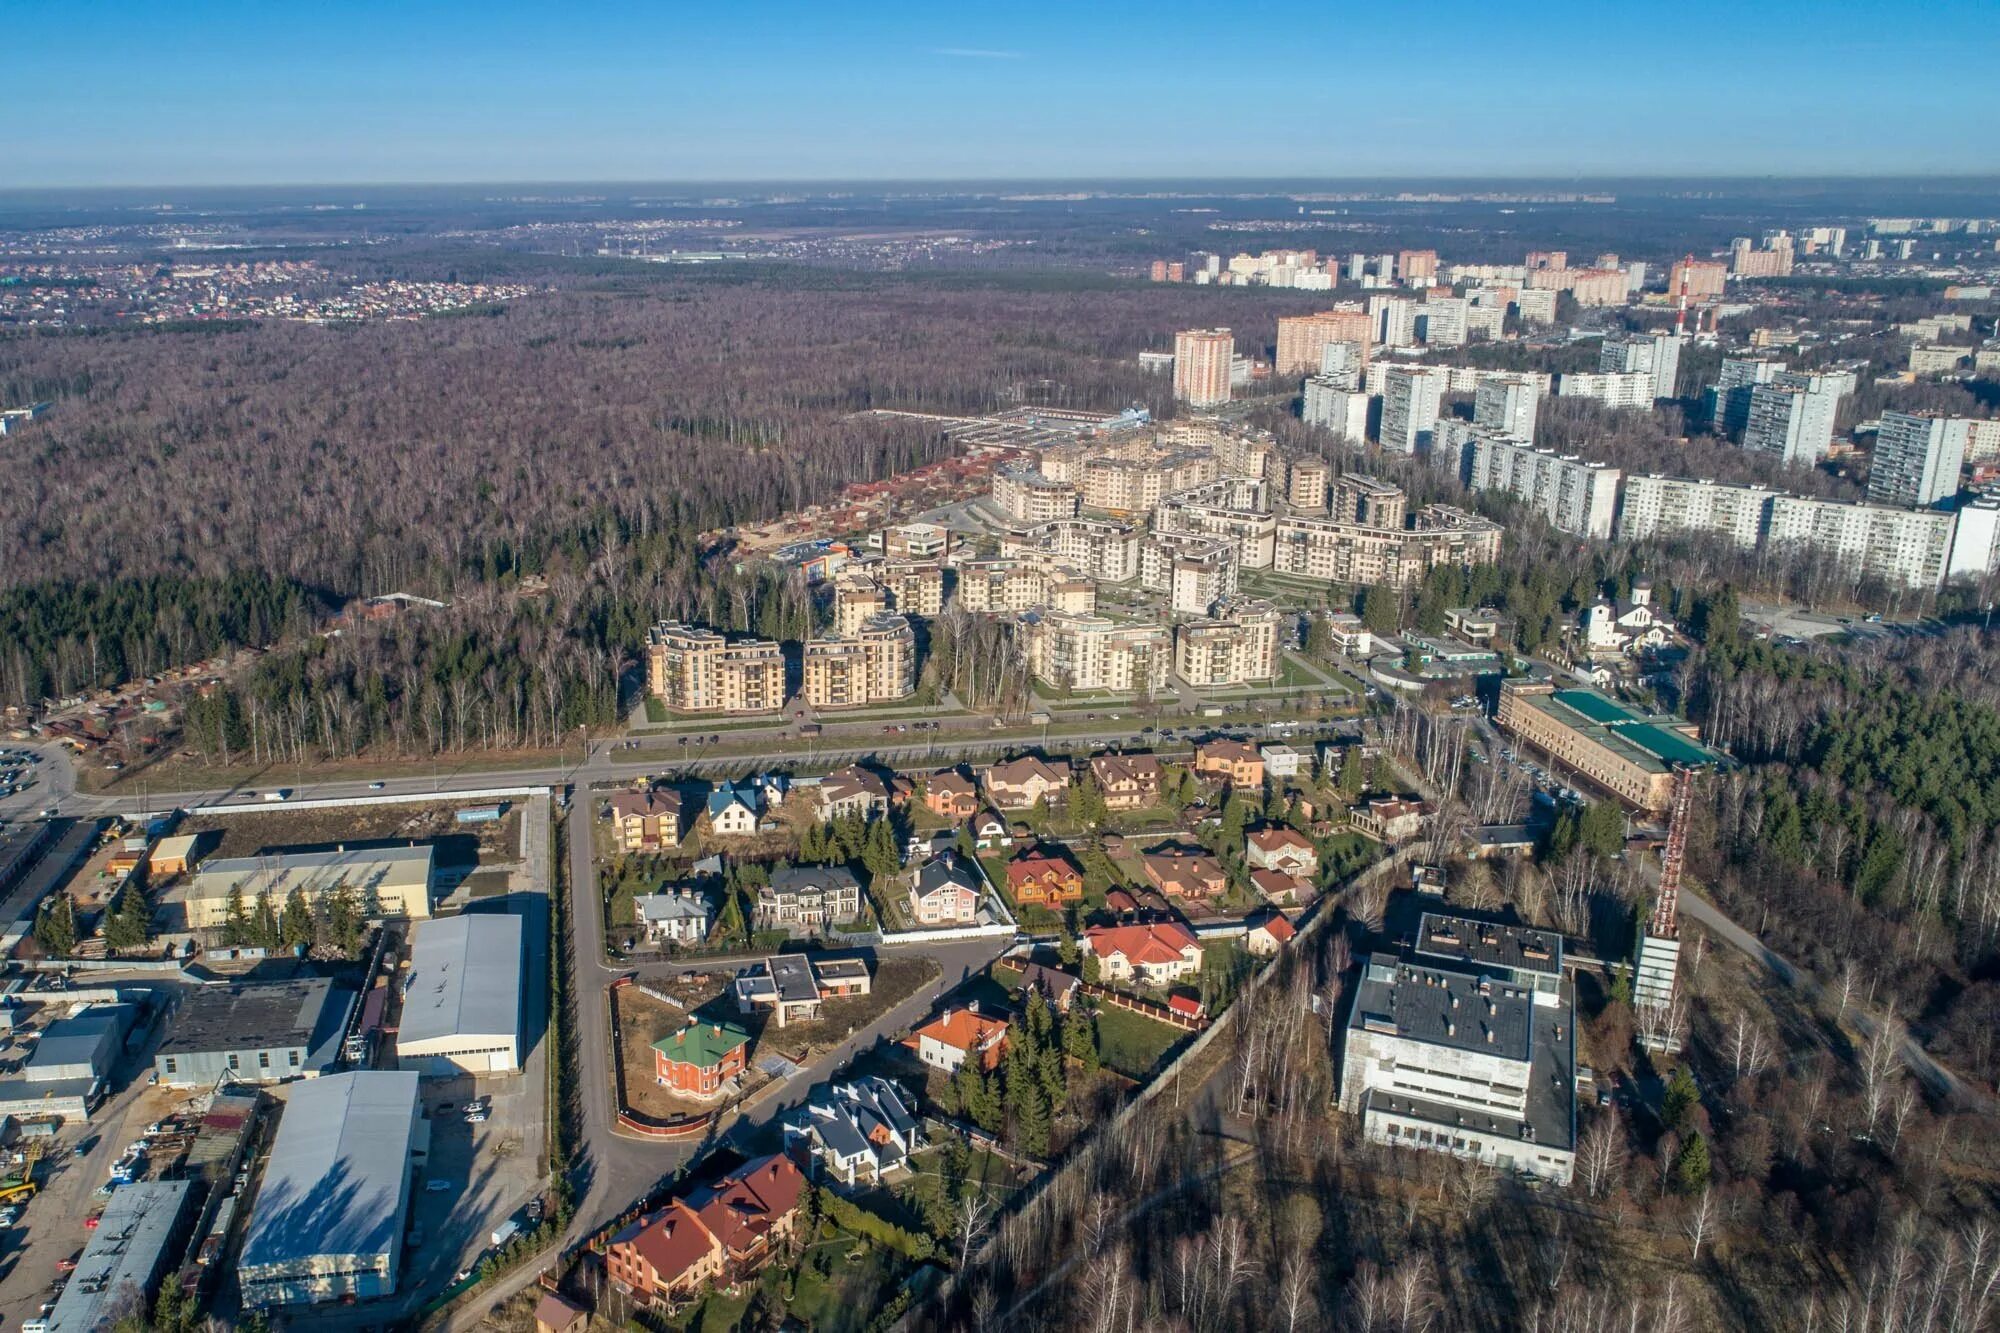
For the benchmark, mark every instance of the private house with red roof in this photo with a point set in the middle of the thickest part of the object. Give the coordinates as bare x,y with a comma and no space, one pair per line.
1268,935
1280,848
702,1058
1046,878
958,1035
721,1234
1184,872
1153,955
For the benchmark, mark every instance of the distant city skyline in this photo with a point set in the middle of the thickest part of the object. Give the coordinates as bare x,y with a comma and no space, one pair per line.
218,92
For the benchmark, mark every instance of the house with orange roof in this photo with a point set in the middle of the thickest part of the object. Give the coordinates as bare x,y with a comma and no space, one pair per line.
1268,935
958,1035
1153,955
1046,878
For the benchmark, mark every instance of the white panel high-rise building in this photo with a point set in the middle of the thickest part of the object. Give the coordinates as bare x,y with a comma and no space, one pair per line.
1729,400
1507,404
1658,354
1395,320
1657,506
1795,425
1574,496
1343,411
1916,459
1411,396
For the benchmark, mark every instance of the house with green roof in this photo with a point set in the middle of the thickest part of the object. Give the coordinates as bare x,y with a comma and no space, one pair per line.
703,1057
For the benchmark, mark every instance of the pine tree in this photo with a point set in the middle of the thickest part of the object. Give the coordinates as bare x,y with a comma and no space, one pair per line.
1031,1121
129,924
1080,1039
1051,1074
1352,783
295,927
1677,1103
729,921
1691,1166
1066,946
264,930
55,927
880,855
1092,969
236,924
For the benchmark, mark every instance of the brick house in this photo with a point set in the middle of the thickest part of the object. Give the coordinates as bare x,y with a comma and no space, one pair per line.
1184,872
1153,955
701,1058
945,891
1389,818
722,1234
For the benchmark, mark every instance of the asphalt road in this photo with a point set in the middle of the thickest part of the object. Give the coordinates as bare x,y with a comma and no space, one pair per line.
1932,1074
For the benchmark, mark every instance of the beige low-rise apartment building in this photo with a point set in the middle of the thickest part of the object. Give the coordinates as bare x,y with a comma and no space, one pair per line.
694,670
1094,652
874,664
995,586
1236,646
1325,550
1026,495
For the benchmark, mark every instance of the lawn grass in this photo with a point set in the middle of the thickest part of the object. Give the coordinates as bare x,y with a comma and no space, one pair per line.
1132,1045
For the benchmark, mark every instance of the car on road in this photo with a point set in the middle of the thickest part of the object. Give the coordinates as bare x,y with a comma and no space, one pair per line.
377,786
438,1186
475,1117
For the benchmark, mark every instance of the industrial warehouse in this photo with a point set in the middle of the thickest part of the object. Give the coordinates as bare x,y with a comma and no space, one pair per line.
328,1217
386,881
255,1032
462,997
135,1240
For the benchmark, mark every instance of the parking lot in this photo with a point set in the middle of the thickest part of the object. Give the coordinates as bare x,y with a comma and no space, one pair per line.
51,1226
491,1171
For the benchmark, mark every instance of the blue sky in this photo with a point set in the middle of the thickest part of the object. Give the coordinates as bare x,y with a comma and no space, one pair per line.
110,92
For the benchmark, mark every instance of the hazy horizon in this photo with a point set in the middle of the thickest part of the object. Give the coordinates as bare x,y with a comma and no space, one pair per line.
216,93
